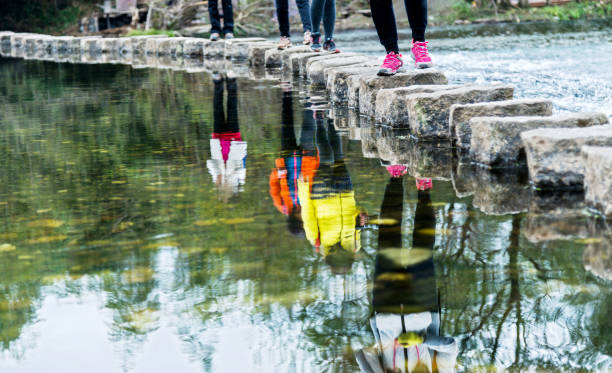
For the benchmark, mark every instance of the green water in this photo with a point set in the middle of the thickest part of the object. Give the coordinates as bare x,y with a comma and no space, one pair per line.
123,248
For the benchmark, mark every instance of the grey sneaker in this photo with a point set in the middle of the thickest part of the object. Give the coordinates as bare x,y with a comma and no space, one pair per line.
228,35
307,36
214,36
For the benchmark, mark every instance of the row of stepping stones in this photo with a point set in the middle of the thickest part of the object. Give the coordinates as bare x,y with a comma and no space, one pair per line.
484,122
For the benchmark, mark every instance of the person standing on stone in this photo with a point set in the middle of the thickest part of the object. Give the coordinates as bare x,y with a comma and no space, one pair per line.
215,19
326,10
384,21
282,13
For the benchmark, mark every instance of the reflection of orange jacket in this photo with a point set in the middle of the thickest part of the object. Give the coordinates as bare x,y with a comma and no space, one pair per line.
279,185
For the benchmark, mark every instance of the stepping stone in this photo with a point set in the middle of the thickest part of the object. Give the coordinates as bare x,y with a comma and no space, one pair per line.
238,48
171,46
280,58
257,53
214,48
316,71
429,112
295,61
497,141
193,47
306,62
124,46
597,180
338,80
109,45
390,104
553,154
459,120
369,86
5,37
66,45
139,43
91,46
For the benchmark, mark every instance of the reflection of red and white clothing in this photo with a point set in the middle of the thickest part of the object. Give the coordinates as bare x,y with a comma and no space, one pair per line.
228,160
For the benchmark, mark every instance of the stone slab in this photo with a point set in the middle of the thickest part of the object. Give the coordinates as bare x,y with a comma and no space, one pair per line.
295,61
390,106
139,43
460,131
306,62
5,37
316,71
338,82
597,179
214,49
370,86
257,53
497,141
193,47
429,112
553,154
285,55
234,47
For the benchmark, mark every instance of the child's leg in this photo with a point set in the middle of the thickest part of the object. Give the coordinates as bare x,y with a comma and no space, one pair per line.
218,113
282,13
228,16
304,9
232,106
384,21
329,19
417,16
213,13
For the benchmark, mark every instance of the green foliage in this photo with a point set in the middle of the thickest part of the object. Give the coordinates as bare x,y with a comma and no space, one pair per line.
462,10
168,33
41,15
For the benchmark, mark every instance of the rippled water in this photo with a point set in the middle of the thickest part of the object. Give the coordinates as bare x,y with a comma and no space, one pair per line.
139,234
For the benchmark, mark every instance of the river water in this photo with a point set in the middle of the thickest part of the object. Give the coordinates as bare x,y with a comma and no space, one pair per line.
155,221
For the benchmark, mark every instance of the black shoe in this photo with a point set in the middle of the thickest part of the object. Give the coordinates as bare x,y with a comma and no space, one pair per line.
315,45
330,46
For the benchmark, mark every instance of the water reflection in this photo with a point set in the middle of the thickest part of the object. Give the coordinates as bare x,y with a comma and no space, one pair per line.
227,164
405,297
117,217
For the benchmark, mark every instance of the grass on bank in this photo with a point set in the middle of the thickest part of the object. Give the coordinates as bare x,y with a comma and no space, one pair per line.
469,11
168,33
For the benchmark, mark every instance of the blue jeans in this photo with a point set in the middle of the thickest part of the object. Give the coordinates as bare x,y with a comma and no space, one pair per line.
282,13
215,18
325,9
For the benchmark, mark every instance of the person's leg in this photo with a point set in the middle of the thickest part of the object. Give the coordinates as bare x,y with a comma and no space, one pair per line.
228,16
384,21
232,106
304,9
329,19
218,114
326,154
417,16
282,13
316,13
213,12
288,143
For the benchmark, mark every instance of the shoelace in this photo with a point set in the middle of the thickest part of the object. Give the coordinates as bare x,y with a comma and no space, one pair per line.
420,49
392,61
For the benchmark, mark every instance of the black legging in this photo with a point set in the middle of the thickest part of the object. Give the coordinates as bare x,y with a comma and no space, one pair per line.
220,124
384,20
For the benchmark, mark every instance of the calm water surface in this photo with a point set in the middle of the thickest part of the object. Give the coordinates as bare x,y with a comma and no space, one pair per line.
155,221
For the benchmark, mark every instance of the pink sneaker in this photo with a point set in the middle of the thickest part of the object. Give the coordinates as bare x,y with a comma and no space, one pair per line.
420,55
424,184
391,65
397,170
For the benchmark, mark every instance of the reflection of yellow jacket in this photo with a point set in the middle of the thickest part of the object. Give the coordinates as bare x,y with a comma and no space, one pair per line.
330,219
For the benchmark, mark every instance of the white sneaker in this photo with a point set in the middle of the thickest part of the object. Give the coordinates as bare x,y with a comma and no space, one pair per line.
307,38
214,36
284,43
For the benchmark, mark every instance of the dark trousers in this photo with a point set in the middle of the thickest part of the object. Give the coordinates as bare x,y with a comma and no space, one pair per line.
384,20
288,143
282,13
215,19
398,288
326,10
220,123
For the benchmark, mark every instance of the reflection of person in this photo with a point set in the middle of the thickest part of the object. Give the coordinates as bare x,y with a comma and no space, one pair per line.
406,318
332,221
227,165
284,177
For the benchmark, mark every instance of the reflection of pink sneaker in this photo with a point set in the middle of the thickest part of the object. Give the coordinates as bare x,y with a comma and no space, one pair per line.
391,65
424,184
396,170
420,55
